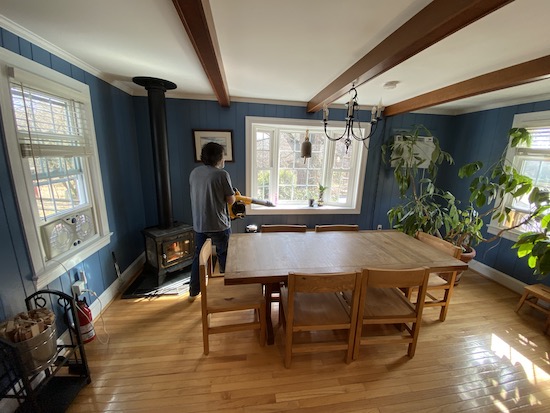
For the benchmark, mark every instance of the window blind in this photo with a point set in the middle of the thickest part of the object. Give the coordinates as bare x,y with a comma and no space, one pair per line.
49,125
540,142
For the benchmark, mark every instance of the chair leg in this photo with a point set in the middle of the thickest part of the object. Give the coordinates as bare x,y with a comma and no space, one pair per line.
268,300
447,297
412,346
357,339
351,347
288,346
205,338
262,315
445,306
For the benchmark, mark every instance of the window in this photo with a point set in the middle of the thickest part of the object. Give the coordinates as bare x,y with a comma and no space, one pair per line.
276,171
533,162
51,145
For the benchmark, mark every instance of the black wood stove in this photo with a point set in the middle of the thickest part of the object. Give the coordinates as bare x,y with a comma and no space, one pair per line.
170,245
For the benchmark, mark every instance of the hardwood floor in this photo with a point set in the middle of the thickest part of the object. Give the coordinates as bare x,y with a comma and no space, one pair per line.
483,358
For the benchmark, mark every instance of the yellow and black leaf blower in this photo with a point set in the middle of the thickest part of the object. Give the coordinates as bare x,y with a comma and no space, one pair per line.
237,210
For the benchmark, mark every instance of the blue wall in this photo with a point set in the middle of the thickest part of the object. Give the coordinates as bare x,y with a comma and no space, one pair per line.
484,136
185,115
120,165
124,143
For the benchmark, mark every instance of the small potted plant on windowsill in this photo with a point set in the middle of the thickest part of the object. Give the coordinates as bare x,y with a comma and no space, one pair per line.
322,189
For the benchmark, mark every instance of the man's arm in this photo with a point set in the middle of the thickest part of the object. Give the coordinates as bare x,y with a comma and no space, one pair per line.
230,199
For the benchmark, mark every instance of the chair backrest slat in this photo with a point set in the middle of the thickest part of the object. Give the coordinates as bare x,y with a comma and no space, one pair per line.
382,278
205,269
384,302
343,227
440,244
315,300
283,228
321,283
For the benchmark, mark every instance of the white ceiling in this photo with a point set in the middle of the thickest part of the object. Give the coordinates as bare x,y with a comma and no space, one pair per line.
283,50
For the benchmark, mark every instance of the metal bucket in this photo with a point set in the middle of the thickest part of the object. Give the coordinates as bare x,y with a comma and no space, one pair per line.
39,352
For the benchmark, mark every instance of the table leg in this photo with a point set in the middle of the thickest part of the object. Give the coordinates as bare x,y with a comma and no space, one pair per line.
269,322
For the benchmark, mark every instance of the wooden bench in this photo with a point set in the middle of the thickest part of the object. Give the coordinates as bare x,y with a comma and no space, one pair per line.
532,295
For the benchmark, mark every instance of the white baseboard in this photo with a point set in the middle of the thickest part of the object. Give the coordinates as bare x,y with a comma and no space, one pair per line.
497,276
117,286
112,291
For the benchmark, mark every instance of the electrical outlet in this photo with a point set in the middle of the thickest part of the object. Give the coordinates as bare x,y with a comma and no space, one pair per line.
379,226
78,288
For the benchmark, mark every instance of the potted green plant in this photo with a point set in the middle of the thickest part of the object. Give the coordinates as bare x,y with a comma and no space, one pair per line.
501,180
490,186
463,228
430,209
322,190
424,206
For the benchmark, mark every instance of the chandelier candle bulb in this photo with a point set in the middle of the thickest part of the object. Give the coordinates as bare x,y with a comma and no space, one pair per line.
351,107
351,130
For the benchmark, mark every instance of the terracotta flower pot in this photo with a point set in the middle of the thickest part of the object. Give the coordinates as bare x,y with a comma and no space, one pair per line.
465,257
468,256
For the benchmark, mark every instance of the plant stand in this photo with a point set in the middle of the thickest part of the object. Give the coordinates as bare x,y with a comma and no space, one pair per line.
49,388
531,295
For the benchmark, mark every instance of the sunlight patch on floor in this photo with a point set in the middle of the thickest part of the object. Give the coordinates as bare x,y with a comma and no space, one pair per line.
534,373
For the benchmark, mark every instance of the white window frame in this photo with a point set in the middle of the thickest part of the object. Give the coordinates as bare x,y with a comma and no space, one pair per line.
523,120
47,270
302,209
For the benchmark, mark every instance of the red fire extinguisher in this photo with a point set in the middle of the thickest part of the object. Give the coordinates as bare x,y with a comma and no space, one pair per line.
85,319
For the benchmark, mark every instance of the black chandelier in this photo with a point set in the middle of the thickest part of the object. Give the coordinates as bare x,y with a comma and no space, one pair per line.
351,118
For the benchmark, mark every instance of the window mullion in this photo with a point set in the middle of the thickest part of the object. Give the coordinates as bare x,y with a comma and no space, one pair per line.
529,161
274,173
291,187
327,167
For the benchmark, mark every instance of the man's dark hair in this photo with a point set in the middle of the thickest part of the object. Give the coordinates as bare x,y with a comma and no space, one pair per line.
212,153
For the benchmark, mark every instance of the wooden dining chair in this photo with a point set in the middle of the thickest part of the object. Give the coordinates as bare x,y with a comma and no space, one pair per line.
339,227
440,284
283,228
388,316
313,302
273,290
219,298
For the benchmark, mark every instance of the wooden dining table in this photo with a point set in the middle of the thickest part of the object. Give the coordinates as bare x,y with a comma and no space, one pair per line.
267,258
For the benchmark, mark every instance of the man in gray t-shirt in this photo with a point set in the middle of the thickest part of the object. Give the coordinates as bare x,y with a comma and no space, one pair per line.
211,191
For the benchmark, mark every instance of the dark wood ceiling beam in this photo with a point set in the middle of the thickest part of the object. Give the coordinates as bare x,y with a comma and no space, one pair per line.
532,71
436,21
195,19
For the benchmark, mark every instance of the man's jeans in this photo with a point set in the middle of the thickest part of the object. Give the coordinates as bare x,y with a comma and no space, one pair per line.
220,240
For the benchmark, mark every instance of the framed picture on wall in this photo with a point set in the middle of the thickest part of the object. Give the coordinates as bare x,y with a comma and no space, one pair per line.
223,137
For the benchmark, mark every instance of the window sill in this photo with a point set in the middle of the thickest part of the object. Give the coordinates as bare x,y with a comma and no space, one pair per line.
300,210
58,267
